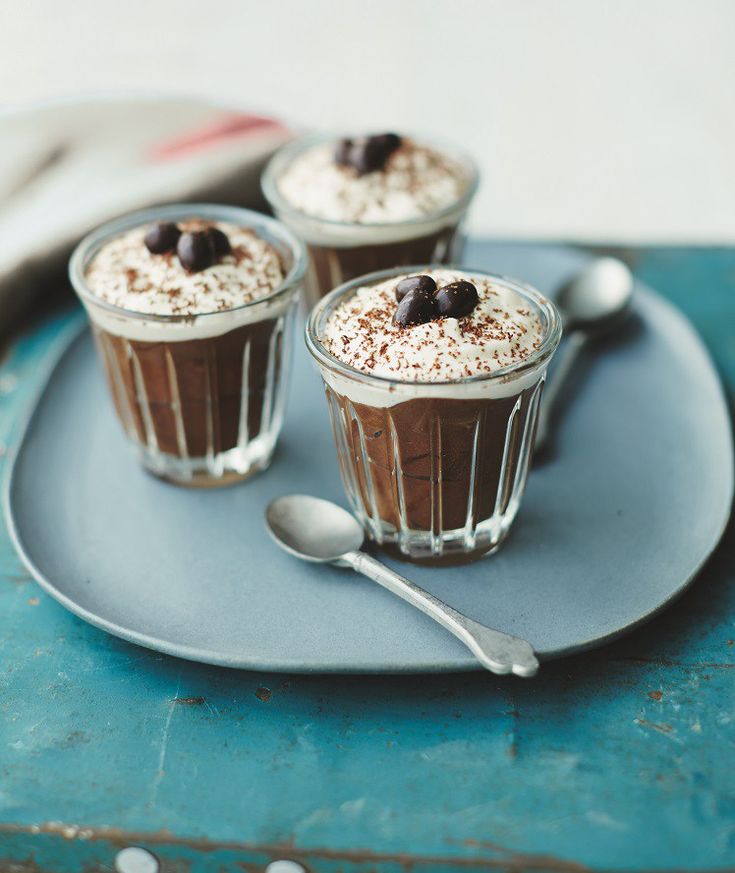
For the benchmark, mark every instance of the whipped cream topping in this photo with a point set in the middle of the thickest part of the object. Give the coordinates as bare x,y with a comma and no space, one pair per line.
125,274
415,182
503,329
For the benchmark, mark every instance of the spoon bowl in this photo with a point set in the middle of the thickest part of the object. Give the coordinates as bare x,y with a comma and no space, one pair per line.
596,297
313,529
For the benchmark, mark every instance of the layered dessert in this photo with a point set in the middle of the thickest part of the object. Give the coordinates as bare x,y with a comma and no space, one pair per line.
192,310
433,380
371,202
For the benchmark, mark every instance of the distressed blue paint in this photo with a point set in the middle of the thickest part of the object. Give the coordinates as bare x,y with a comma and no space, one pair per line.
622,758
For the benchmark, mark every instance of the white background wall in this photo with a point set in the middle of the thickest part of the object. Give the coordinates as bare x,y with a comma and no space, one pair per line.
597,119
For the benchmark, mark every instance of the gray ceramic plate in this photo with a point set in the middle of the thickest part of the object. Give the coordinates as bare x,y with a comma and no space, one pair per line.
610,531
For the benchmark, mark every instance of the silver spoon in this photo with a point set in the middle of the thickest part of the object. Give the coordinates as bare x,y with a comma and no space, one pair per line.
592,303
317,530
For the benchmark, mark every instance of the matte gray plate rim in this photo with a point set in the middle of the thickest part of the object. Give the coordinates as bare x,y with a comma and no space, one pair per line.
64,343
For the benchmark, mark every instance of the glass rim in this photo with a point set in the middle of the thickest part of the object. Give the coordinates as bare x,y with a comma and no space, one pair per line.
90,245
328,304
286,153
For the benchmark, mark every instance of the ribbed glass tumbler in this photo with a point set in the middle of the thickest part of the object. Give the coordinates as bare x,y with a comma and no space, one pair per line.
435,471
201,398
341,250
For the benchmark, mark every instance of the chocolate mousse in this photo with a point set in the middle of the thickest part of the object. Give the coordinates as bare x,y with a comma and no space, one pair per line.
433,382
371,202
192,319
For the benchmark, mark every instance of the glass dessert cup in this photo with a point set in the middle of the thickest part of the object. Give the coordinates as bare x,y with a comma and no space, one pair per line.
200,397
340,250
435,471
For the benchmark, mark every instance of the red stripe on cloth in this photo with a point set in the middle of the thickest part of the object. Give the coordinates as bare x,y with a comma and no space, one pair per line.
228,127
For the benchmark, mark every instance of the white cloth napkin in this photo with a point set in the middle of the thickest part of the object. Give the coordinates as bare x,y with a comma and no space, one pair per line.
68,166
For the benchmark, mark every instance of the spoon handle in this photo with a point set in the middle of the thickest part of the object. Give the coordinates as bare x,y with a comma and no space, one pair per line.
567,358
498,652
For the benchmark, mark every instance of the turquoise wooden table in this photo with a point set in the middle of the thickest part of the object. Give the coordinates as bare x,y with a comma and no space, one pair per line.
619,759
